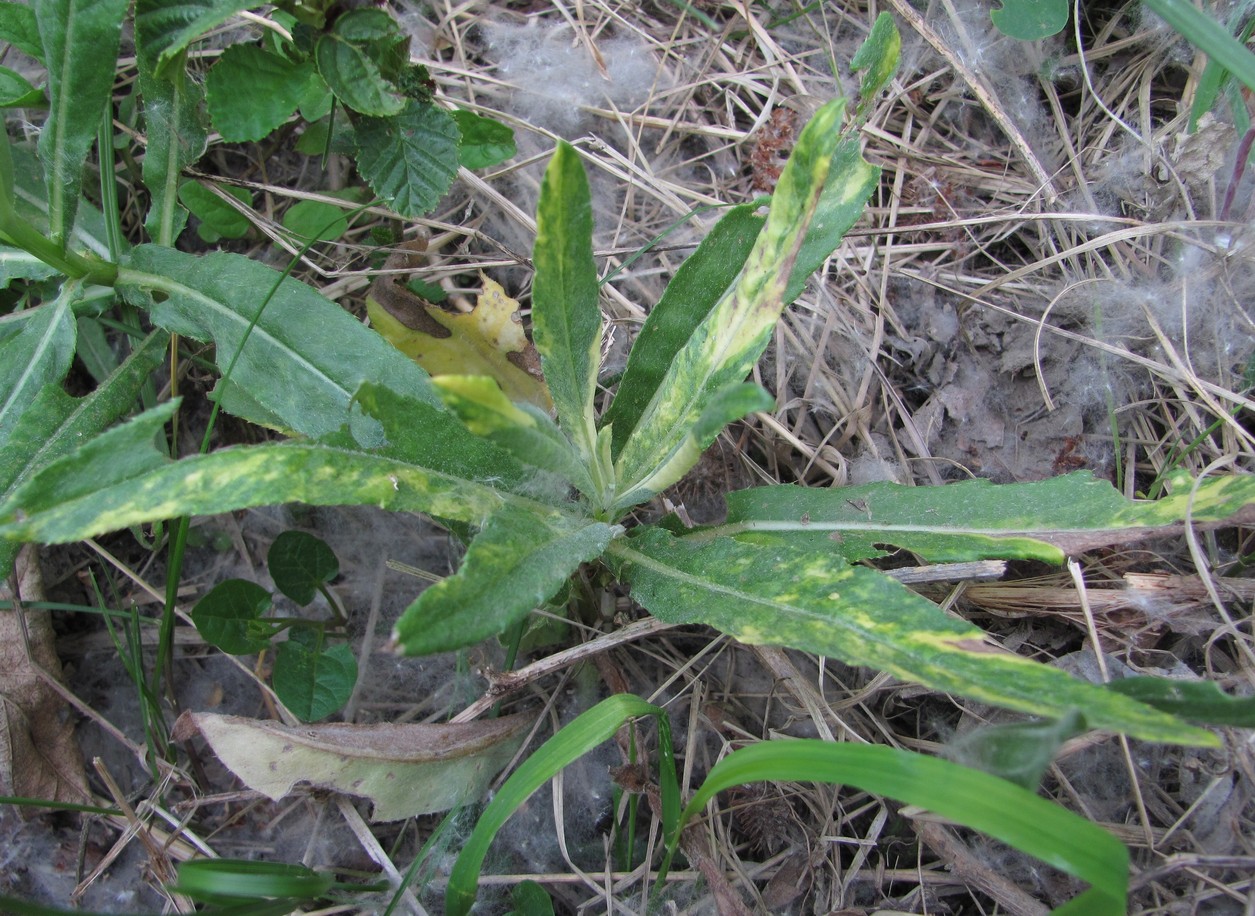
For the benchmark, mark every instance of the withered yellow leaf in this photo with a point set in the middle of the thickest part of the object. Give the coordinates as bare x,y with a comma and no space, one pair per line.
404,769
488,340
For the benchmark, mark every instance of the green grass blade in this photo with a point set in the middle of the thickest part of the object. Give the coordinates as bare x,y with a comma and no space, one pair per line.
565,314
80,40
515,564
1209,36
969,797
817,602
575,739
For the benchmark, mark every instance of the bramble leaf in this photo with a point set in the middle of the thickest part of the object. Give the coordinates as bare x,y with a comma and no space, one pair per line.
409,160
251,92
218,219
485,141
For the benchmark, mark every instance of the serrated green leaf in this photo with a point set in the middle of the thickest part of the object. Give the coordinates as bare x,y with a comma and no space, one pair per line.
485,142
724,347
1031,20
218,218
38,346
781,595
19,28
300,564
515,564
969,797
566,319
525,431
975,519
80,40
251,92
409,160
356,78
56,424
314,219
431,464
175,125
167,27
226,615
313,682
303,360
17,92
878,55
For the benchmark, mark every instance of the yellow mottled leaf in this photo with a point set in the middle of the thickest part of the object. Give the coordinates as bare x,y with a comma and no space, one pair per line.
488,340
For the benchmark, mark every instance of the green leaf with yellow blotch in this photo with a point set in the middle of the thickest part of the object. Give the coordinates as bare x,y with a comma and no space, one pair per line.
516,563
565,315
786,596
488,340
976,519
431,463
731,336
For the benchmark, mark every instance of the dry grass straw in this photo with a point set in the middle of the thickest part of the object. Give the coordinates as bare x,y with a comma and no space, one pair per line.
1005,226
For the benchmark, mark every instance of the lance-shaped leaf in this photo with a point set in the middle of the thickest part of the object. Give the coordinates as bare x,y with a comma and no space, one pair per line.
565,315
516,563
38,345
16,264
725,346
976,519
175,126
527,432
878,56
405,770
80,40
431,464
303,357
167,27
784,596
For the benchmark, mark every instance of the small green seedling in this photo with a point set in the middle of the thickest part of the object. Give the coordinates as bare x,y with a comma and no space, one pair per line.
313,676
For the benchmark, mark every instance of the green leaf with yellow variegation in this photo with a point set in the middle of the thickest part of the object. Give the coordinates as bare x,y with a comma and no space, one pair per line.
488,340
515,564
565,315
524,430
731,336
786,596
975,519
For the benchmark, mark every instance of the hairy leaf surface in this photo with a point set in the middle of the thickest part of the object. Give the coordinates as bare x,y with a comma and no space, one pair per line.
781,595
725,346
515,564
80,40
975,519
167,27
38,346
565,315
304,358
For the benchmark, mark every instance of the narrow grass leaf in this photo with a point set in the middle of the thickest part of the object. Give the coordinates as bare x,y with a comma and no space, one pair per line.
517,562
214,880
1209,36
38,346
567,323
80,40
304,358
732,335
1197,701
969,797
976,519
572,741
785,596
